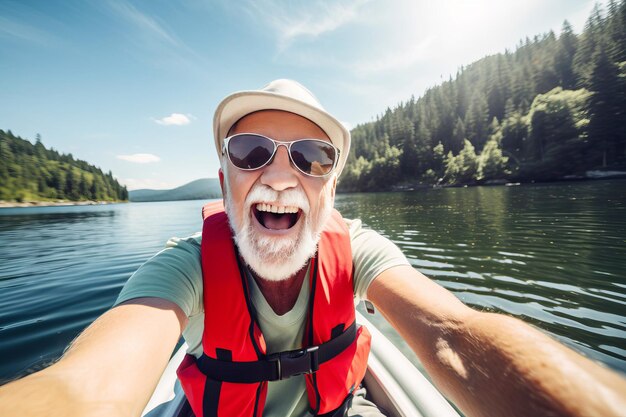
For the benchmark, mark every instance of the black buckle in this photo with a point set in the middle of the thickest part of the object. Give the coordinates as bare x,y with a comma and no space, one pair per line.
295,362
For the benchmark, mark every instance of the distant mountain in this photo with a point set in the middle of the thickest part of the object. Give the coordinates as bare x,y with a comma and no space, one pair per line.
201,189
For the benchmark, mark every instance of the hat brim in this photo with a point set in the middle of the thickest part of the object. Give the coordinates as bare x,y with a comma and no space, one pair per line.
242,103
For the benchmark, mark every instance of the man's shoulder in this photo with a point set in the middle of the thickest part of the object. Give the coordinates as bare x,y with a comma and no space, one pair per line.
353,224
357,230
179,249
193,240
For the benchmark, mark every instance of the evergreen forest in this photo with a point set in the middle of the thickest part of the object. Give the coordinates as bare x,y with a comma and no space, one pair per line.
33,173
553,109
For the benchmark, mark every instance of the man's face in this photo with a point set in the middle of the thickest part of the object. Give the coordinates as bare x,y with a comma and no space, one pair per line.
277,245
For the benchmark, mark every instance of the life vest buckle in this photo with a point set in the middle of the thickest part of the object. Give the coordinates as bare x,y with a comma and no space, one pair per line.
296,362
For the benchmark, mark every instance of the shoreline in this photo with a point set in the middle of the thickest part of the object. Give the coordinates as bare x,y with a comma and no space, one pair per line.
404,187
60,203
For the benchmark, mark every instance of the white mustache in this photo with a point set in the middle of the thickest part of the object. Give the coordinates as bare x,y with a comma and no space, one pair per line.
291,197
275,258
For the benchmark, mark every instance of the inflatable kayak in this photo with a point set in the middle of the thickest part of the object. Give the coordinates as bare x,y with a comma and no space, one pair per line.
392,382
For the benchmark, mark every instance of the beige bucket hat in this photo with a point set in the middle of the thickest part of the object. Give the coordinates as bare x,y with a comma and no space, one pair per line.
286,95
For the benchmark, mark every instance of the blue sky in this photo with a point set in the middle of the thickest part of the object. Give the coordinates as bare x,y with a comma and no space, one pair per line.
131,86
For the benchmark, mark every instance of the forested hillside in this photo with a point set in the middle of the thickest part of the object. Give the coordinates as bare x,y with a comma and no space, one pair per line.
554,108
33,173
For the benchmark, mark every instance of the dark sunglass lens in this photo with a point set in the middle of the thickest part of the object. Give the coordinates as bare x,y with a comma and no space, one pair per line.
313,157
250,151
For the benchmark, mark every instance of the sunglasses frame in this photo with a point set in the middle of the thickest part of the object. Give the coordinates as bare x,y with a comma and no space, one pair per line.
287,145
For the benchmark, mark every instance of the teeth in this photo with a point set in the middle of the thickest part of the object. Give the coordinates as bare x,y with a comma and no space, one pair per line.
276,209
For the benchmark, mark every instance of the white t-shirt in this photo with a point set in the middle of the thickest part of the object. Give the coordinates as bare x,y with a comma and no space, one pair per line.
175,274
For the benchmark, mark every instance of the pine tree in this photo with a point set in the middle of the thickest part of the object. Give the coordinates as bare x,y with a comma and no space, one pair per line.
617,31
545,73
71,187
607,110
458,136
587,46
438,161
476,120
58,184
564,58
93,190
83,191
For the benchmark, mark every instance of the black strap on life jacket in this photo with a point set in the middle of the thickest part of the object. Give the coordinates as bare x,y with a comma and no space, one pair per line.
281,365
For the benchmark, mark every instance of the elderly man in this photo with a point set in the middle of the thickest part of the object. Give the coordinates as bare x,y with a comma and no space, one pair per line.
271,280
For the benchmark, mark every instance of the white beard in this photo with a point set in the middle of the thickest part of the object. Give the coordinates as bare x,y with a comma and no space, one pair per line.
276,258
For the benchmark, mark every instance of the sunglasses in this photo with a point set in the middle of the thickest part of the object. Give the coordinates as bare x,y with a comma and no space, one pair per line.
250,151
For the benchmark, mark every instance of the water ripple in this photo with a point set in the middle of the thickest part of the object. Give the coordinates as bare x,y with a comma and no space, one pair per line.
552,254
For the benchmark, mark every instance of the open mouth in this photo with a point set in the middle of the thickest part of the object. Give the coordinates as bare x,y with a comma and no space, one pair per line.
275,217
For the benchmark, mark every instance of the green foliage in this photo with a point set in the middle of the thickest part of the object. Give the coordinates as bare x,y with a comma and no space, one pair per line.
385,169
463,167
355,174
554,107
514,132
491,163
438,161
33,173
557,139
453,169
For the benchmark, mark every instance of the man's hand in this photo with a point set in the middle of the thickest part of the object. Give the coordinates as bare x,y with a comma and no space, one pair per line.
490,364
111,369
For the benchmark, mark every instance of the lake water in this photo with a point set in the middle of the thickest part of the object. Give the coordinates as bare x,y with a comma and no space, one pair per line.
551,254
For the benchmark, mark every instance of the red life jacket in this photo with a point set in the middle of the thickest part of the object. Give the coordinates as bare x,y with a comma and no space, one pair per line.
230,378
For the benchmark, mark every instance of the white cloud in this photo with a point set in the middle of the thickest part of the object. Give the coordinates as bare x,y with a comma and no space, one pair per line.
154,38
292,23
150,183
176,119
394,60
25,32
143,22
139,158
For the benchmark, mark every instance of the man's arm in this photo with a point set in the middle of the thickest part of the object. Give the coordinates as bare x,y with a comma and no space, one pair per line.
490,364
111,369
